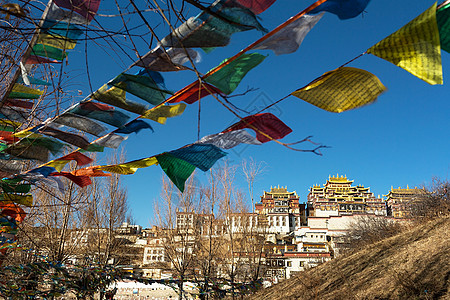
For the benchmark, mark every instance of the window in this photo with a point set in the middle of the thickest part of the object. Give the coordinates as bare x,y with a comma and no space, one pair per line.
289,263
302,264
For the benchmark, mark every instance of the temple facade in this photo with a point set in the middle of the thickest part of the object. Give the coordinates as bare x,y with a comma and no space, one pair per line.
338,197
399,201
282,210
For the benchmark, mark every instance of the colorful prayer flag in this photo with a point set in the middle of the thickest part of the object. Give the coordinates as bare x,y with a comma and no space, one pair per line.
288,39
171,60
48,52
116,97
22,92
256,6
194,92
110,140
228,77
81,123
101,112
228,140
443,21
134,126
178,170
85,8
344,9
415,47
202,156
130,167
342,89
267,127
161,113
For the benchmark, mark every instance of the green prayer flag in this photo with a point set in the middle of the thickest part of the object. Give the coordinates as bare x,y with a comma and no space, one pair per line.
54,146
228,77
116,97
48,51
13,186
93,148
176,169
443,21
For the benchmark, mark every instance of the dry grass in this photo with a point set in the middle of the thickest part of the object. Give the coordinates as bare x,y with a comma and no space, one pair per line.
414,264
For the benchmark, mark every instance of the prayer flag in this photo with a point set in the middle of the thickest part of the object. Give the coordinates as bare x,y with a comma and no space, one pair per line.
110,140
256,6
202,156
56,41
35,60
85,8
342,89
71,138
13,186
28,152
266,125
26,200
81,181
443,21
228,77
116,97
147,85
62,15
33,80
63,29
130,167
52,145
18,103
161,113
344,9
170,60
14,114
23,92
13,166
81,123
194,93
48,51
415,47
288,39
101,112
90,172
134,126
228,140
178,170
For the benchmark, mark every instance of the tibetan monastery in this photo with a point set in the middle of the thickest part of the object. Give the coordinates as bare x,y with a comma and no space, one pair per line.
339,198
399,200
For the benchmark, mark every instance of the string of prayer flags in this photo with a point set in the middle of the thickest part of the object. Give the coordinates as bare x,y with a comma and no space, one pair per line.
134,126
344,9
70,138
228,140
48,52
101,112
267,127
81,181
289,38
20,91
342,89
415,48
202,156
110,140
147,85
26,200
87,9
178,170
170,60
227,78
256,6
81,123
194,93
117,97
443,21
130,167
161,113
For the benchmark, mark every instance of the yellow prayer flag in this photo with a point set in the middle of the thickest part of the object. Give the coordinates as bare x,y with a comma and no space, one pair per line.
56,41
57,164
130,167
27,134
415,47
6,122
161,113
18,88
342,89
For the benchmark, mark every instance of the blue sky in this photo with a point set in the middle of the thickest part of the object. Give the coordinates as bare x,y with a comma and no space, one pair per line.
401,139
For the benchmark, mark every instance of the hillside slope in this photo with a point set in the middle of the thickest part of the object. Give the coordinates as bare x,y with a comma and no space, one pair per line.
414,264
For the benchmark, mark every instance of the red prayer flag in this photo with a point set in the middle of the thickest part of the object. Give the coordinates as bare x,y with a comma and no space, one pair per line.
91,172
85,8
263,124
81,180
8,137
19,103
96,106
12,210
256,6
194,92
80,158
34,60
